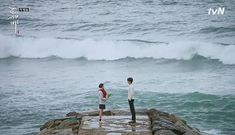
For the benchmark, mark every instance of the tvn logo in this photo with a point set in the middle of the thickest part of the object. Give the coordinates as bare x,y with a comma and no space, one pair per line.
216,11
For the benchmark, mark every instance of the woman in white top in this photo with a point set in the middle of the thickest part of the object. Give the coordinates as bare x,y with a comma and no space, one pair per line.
103,97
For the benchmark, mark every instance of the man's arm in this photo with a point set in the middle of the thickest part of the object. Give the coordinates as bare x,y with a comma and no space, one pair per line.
130,93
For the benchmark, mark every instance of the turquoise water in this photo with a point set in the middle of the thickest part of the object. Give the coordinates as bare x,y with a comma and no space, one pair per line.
35,90
182,60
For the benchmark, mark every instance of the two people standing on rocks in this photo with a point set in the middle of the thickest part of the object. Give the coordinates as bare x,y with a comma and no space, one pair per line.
103,97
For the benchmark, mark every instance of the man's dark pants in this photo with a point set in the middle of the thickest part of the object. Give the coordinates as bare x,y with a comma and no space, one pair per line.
132,108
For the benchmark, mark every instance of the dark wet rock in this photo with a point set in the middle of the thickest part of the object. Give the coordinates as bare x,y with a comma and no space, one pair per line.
173,118
74,114
149,122
57,132
153,115
52,123
163,124
188,130
164,132
108,113
65,126
162,121
47,125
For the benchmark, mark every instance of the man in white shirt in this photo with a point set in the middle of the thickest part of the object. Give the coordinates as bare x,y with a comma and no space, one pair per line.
131,99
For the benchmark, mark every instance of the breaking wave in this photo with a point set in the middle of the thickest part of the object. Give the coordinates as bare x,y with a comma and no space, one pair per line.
111,50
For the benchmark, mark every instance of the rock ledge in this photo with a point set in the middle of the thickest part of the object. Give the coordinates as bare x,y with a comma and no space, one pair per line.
149,122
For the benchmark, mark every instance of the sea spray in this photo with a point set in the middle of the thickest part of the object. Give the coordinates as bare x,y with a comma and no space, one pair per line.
90,49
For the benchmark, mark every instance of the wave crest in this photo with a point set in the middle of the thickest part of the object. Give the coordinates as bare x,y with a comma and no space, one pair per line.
111,50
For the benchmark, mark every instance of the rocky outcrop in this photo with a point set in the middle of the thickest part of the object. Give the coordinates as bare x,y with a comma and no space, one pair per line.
163,123
65,126
151,121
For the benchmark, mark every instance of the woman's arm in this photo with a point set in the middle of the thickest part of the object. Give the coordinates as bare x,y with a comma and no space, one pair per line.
102,98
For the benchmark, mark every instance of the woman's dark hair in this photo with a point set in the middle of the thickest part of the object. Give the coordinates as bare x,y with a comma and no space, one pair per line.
130,79
101,85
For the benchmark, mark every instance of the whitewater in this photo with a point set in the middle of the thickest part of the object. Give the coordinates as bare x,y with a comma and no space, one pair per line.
182,60
112,50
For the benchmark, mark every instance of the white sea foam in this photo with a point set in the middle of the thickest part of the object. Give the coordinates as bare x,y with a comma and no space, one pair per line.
111,50
212,132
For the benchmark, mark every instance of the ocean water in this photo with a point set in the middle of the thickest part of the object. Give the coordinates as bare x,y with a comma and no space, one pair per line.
182,60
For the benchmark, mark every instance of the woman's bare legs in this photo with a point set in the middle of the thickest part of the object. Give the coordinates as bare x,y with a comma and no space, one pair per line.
100,114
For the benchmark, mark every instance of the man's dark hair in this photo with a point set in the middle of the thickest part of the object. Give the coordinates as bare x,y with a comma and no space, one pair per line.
130,79
101,85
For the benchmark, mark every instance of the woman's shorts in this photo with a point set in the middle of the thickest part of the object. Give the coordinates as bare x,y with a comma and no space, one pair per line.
102,106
